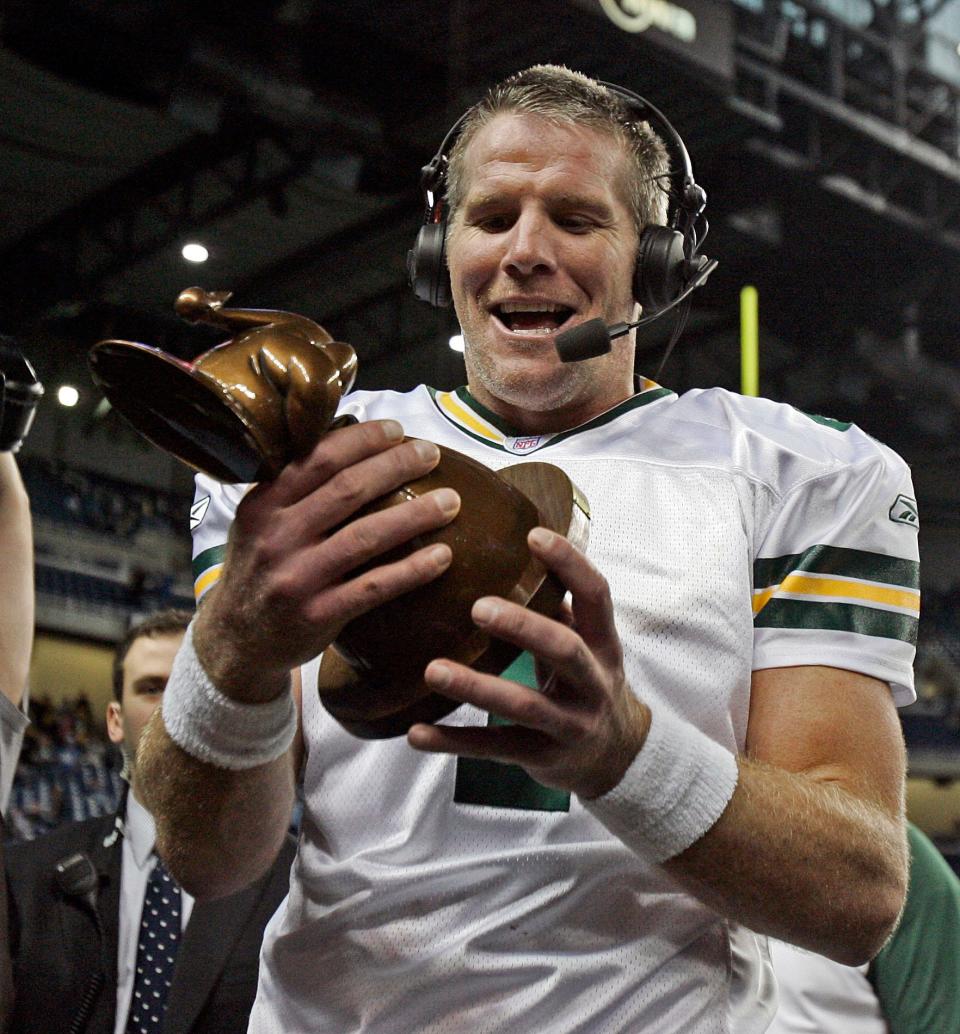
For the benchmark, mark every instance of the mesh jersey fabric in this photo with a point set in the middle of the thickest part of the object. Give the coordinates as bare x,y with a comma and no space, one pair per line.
735,534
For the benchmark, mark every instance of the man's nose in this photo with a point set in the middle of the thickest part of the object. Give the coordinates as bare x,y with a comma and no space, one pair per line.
530,247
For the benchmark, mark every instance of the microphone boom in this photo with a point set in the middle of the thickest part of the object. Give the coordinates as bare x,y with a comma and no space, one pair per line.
590,339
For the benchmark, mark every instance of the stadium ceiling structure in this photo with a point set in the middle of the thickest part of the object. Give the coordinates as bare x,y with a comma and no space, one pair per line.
287,137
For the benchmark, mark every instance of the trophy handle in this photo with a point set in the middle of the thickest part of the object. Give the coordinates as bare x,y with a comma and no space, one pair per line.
195,305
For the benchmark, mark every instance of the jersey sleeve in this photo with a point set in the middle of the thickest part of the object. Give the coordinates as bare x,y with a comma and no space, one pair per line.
211,515
836,579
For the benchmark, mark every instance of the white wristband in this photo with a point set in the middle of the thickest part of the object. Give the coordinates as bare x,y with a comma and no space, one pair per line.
220,731
673,792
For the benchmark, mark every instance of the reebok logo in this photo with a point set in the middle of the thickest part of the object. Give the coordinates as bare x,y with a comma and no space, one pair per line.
198,511
904,511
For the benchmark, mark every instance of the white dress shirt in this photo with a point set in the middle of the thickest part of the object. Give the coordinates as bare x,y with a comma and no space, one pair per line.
136,866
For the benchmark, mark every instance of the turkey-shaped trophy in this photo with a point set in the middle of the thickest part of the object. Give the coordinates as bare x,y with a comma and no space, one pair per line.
244,409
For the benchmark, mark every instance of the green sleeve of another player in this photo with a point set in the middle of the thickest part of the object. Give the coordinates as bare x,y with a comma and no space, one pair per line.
917,974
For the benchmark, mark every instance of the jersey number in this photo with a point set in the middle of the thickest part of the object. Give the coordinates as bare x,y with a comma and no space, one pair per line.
495,785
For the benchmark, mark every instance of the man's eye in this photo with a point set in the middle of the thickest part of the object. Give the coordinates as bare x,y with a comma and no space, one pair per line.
494,223
576,223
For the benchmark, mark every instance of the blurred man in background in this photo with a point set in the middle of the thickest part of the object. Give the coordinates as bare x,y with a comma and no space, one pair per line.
102,939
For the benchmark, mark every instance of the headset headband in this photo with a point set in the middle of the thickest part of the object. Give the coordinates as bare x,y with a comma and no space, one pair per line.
668,257
691,199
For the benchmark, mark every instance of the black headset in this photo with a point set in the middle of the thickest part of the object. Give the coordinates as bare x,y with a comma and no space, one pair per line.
667,257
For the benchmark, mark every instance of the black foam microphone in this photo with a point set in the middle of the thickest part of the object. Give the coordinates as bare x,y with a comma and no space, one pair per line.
590,339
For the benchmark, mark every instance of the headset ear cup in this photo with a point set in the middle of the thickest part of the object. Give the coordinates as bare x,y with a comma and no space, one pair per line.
427,265
660,272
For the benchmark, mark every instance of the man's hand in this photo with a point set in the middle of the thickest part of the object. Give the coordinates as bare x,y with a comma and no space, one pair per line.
583,728
288,585
810,848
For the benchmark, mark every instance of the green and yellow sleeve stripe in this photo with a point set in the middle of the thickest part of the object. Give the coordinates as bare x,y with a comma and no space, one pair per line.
206,569
838,589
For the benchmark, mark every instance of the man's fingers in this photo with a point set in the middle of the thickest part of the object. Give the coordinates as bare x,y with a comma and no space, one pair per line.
372,536
347,447
592,605
520,704
344,602
333,451
552,643
511,744
353,487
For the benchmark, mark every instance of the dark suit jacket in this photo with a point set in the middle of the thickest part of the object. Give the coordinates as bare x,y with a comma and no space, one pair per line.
56,949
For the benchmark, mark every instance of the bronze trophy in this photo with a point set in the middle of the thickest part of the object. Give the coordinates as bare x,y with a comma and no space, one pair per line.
248,406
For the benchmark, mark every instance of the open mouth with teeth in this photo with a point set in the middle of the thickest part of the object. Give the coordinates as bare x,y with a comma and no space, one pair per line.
532,317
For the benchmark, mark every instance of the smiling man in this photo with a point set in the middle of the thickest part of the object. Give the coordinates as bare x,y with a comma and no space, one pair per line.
544,239
712,753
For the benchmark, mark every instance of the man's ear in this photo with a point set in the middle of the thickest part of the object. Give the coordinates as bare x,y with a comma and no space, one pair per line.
115,722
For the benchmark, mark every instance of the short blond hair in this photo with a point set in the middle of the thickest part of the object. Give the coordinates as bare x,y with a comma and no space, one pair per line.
565,97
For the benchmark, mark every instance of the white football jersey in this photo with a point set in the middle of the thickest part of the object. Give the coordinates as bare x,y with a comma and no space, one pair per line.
820,995
437,894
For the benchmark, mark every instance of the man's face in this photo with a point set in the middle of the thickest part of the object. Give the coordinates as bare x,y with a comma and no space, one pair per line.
146,669
543,241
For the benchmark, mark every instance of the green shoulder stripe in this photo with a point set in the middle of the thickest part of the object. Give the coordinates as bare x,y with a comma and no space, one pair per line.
828,421
838,560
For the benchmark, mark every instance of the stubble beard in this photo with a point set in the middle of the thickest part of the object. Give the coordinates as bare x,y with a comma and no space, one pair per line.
550,390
